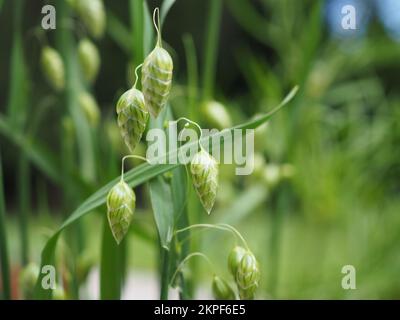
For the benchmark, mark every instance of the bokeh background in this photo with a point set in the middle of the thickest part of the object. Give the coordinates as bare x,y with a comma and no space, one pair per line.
325,191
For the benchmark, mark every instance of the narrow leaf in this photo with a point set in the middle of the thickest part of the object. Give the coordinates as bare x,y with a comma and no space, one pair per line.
161,200
165,7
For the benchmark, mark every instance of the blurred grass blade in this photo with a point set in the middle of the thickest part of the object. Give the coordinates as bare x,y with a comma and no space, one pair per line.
37,154
211,47
18,72
24,191
111,254
249,19
148,29
5,268
179,187
67,47
161,200
135,177
192,76
136,8
118,32
244,204
165,7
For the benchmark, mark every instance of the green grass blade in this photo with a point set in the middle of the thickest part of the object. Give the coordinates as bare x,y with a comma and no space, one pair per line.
165,7
135,177
111,254
5,268
24,202
192,76
18,99
118,32
161,200
36,153
136,8
211,47
67,47
148,29
249,18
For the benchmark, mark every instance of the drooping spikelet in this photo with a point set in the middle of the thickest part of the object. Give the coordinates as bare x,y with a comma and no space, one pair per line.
132,117
204,170
234,258
121,202
92,14
53,68
221,289
247,276
89,107
89,59
157,77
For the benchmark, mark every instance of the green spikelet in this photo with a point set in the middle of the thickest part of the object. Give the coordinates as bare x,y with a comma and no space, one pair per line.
247,276
89,59
90,107
234,259
132,117
204,170
27,280
92,14
221,289
121,202
53,68
157,76
216,115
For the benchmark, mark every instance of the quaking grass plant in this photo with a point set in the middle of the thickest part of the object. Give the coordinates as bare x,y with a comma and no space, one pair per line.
71,66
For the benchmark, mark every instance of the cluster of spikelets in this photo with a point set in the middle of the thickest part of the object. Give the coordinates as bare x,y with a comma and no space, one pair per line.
244,268
134,108
92,14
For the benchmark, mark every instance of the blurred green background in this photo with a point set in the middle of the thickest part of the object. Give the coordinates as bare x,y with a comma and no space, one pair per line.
325,191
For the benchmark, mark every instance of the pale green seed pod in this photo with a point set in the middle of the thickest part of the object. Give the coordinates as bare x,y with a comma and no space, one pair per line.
272,174
157,74
53,68
90,107
204,170
216,115
132,117
247,276
27,280
221,289
157,79
89,59
234,258
121,202
93,15
59,293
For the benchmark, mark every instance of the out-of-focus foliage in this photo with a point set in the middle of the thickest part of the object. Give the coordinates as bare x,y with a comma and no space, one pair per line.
325,188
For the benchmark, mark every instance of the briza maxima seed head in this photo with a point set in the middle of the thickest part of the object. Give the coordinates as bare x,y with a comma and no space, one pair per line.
157,74
216,115
247,276
121,202
234,259
204,170
90,108
53,68
221,289
27,280
92,14
157,79
89,59
132,117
